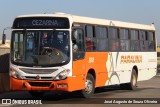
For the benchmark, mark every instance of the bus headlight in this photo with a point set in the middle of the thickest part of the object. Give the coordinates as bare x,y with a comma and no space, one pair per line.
14,74
62,75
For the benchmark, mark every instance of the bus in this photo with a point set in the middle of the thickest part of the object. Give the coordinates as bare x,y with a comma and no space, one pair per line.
65,52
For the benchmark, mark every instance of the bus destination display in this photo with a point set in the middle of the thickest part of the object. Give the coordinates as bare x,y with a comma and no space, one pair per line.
36,22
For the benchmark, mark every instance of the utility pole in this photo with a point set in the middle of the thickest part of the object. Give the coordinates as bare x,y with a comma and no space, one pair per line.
4,35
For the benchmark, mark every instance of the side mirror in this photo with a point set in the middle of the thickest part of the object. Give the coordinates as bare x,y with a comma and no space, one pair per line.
3,38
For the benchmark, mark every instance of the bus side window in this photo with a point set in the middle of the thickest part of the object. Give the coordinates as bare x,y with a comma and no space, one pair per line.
102,38
143,40
135,44
90,38
89,43
151,41
114,39
124,40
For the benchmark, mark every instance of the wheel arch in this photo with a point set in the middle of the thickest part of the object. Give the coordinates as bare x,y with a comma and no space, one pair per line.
136,69
92,72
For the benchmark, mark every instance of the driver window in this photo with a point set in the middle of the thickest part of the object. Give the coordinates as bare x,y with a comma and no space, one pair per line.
78,44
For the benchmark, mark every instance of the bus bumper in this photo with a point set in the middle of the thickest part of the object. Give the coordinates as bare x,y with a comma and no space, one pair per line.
69,84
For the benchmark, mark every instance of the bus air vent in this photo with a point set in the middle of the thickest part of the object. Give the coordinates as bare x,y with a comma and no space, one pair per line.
38,71
40,84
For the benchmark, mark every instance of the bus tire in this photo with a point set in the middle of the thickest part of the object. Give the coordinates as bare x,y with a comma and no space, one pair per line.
89,87
133,82
36,94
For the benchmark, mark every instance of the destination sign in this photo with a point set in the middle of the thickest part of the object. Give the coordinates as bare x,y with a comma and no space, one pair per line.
41,22
45,23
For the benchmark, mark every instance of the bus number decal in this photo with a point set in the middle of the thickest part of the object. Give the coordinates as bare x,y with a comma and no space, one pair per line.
91,60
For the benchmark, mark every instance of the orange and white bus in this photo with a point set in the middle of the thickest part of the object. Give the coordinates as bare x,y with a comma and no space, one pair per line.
64,52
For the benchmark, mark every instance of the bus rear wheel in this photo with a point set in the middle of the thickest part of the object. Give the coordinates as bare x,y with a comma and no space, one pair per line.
132,85
89,87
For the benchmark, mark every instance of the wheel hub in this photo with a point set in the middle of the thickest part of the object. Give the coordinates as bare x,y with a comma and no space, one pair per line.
88,86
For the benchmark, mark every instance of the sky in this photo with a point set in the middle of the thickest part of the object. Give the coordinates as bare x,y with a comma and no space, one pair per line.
135,11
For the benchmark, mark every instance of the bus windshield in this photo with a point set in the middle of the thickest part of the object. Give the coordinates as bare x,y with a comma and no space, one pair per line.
40,48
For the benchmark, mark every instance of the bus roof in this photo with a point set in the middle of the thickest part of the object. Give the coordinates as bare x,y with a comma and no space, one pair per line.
96,21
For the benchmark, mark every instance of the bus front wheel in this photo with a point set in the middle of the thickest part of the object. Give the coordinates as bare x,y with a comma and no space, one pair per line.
89,86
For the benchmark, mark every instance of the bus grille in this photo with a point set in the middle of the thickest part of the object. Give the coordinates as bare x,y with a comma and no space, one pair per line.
40,84
35,78
38,71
